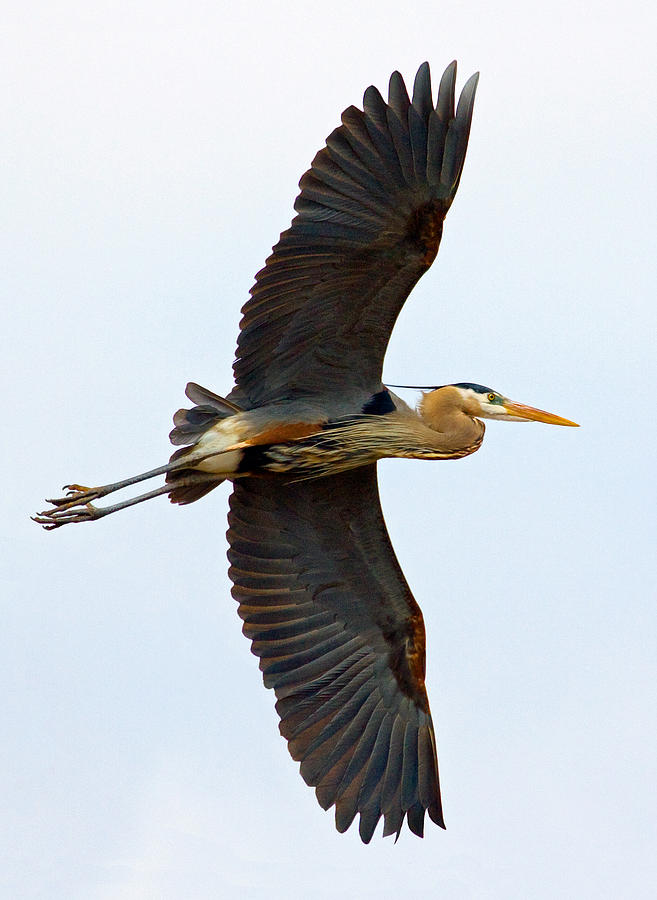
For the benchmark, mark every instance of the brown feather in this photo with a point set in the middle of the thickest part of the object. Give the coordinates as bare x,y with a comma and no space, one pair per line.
350,685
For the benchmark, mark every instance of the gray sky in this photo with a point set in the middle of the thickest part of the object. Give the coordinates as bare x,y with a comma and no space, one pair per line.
152,159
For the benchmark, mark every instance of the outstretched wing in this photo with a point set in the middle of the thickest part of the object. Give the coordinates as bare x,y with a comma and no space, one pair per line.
341,641
368,225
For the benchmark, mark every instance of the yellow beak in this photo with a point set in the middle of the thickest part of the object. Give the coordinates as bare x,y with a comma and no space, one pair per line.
536,415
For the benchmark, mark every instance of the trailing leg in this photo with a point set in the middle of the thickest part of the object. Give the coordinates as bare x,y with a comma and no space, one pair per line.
184,482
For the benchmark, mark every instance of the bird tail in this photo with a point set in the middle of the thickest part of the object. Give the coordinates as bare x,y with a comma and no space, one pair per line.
190,425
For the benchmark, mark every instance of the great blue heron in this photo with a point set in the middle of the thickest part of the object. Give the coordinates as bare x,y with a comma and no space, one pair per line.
324,601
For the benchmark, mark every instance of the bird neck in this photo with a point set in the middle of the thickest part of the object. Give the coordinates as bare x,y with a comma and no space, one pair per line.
442,410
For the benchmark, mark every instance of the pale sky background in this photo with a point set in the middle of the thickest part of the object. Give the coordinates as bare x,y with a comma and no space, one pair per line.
151,157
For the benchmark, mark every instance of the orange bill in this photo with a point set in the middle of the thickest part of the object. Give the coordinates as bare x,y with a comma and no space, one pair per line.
535,415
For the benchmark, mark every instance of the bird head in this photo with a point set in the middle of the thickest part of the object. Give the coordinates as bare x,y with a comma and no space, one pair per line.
485,403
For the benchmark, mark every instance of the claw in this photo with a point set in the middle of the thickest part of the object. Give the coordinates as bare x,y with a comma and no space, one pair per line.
55,518
76,506
76,495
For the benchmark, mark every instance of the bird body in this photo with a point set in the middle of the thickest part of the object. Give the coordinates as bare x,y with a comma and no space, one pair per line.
259,441
270,440
340,638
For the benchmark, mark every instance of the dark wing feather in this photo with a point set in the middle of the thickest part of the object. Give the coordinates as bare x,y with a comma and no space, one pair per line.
368,225
341,641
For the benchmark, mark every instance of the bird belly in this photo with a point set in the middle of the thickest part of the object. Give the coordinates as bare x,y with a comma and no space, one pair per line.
238,446
223,463
324,452
219,450
351,442
311,460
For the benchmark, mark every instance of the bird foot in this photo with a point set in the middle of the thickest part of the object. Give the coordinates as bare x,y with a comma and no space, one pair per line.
55,518
76,495
76,506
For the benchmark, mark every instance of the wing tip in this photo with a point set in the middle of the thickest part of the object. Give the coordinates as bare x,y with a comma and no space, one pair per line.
467,97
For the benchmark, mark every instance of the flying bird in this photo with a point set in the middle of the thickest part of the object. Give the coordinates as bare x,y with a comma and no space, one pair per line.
340,638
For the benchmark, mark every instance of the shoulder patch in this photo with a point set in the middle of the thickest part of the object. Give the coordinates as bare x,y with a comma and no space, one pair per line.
379,404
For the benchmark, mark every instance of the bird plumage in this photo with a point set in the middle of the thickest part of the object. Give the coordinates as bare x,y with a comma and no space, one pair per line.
368,225
339,636
341,641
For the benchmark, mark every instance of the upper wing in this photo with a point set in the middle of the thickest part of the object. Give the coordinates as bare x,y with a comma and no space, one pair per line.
341,640
368,225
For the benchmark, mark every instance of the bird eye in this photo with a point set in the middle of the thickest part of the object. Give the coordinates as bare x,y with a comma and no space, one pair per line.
491,398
